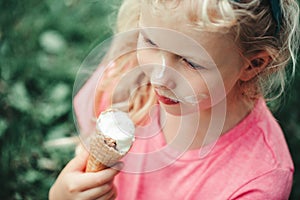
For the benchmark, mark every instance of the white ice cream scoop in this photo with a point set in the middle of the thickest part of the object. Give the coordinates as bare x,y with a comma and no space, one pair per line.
117,125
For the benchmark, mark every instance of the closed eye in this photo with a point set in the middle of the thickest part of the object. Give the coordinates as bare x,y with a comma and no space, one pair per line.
150,42
147,41
192,64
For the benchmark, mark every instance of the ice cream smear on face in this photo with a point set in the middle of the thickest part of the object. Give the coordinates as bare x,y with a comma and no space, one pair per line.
117,125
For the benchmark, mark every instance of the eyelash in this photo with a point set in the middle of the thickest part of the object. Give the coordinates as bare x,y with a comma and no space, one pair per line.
148,41
191,64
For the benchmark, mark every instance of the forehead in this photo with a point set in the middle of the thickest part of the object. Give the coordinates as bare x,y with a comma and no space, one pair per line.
208,14
214,43
174,15
166,14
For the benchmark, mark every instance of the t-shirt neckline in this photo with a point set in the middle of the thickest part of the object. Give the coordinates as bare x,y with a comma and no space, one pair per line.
212,149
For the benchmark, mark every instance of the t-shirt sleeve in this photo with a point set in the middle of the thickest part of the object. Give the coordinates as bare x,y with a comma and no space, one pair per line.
273,185
83,103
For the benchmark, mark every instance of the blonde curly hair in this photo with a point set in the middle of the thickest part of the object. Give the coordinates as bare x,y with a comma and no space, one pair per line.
254,28
250,22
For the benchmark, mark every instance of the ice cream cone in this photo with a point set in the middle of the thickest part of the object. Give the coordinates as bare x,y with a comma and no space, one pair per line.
112,140
101,154
94,165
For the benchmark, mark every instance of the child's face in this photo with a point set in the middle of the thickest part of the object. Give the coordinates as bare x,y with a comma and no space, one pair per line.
187,67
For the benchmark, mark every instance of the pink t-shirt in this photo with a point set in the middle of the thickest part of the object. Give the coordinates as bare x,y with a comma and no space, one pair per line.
251,161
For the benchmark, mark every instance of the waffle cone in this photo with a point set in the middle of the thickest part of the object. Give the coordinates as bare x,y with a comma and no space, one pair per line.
101,155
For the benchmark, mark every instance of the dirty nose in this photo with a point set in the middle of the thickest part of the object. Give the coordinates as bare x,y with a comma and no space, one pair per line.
160,77
159,73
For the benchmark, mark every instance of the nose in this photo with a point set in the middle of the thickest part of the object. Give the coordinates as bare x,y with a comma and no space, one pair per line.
157,65
161,74
159,71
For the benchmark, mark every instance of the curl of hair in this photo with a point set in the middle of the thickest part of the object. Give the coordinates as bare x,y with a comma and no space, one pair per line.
256,31
252,25
142,98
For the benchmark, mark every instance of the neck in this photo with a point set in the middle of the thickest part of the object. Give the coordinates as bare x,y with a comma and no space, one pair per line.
200,128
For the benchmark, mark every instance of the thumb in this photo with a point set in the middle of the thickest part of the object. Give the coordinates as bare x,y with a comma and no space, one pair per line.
78,163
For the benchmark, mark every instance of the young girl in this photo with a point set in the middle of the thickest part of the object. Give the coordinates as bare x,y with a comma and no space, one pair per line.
195,85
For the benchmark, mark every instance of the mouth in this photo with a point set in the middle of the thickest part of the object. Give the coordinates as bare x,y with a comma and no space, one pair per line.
166,98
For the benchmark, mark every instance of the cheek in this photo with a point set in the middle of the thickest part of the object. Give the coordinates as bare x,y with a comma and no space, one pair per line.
146,55
212,85
217,85
230,79
147,59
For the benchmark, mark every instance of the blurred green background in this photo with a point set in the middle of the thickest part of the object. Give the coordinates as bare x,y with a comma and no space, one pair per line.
42,44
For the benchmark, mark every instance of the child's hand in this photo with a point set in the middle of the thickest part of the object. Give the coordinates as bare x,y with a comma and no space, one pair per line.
74,183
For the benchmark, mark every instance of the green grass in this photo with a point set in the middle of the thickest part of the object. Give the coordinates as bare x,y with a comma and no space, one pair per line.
36,86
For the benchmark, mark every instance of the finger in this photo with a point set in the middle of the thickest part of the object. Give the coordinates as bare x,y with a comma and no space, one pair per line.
98,192
95,179
78,163
115,193
111,194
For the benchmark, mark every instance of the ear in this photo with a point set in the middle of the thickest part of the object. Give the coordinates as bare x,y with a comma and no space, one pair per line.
255,65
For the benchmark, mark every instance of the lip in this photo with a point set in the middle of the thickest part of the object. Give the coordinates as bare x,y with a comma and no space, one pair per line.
165,100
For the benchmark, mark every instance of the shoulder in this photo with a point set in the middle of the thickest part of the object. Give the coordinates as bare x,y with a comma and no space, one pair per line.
267,139
274,184
266,155
260,139
259,157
